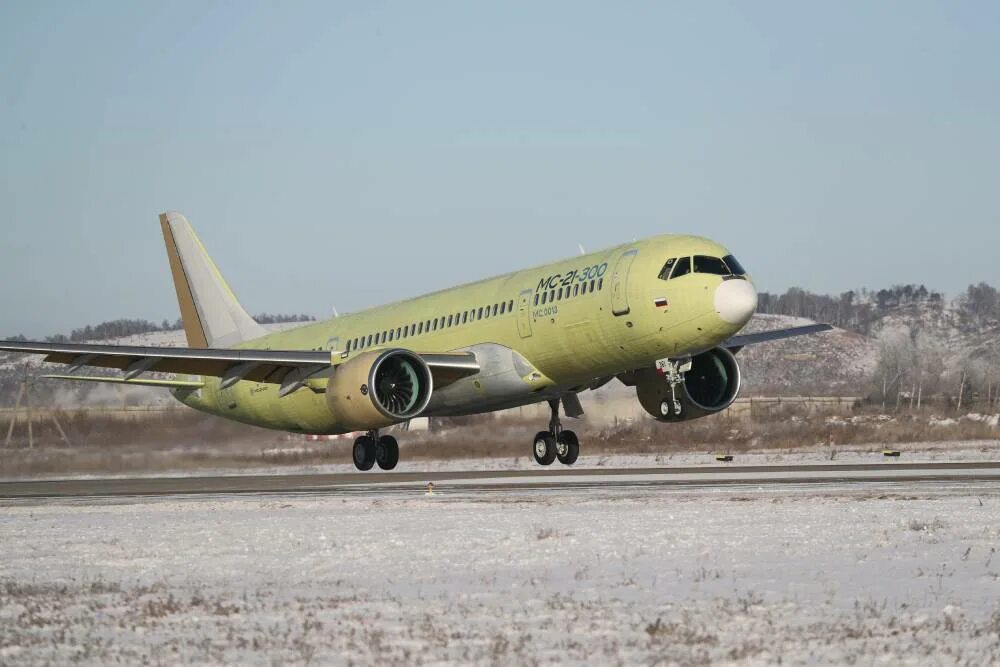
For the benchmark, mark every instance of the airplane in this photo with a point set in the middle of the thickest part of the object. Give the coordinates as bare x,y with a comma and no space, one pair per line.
662,315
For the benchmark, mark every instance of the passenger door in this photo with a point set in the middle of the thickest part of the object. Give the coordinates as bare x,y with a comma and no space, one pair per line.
619,282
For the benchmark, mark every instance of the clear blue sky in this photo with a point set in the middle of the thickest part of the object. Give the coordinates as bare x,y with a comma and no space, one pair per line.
346,155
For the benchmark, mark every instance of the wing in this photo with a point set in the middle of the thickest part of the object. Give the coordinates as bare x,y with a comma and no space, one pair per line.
736,343
289,368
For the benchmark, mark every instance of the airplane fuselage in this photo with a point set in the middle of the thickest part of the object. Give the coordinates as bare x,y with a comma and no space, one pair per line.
536,333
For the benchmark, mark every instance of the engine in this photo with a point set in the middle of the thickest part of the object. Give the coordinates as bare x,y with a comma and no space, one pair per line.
379,388
710,385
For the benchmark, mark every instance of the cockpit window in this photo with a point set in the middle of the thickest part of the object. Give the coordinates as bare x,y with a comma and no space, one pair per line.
734,265
682,268
713,265
665,271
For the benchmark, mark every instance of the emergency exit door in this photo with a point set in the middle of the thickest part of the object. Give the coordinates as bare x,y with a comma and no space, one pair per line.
524,313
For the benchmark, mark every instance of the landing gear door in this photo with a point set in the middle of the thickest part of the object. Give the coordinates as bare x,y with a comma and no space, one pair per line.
619,282
524,313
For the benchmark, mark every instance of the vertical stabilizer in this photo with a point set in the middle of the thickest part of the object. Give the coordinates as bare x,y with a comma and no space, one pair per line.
211,314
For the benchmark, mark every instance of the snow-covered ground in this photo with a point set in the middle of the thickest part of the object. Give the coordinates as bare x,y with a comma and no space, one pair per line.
867,575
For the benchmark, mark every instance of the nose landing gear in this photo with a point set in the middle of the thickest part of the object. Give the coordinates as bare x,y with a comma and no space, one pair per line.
371,448
556,443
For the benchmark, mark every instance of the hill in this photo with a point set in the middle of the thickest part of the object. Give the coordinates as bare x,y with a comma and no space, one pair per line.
905,344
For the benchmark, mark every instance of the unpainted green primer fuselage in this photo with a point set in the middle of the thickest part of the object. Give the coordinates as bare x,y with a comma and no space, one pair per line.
556,346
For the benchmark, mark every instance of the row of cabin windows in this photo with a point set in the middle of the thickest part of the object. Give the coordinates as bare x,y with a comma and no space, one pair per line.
428,326
567,293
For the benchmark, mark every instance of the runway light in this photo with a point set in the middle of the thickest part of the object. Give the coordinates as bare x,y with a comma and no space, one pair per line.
725,458
890,452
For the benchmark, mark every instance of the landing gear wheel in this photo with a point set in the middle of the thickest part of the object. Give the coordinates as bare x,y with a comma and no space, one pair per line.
544,448
364,452
568,448
386,452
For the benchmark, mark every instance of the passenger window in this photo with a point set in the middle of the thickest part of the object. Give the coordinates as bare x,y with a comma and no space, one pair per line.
576,289
510,305
449,319
712,265
494,310
479,314
545,298
665,271
734,265
487,313
559,295
536,299
503,307
552,295
682,268
399,331
600,284
592,285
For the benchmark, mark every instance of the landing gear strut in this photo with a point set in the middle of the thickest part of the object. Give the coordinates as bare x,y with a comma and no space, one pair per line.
556,443
371,448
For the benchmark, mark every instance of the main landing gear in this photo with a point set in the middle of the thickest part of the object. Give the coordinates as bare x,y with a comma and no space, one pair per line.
371,448
555,443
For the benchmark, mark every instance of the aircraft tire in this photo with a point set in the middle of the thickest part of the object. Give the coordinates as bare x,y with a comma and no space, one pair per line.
364,453
387,452
544,448
569,450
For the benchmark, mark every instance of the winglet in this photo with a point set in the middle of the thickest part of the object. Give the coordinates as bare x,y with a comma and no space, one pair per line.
211,314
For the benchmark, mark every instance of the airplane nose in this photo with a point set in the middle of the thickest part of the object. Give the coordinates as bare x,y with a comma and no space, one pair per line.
735,301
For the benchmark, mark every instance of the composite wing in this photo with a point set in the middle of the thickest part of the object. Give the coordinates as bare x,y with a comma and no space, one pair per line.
737,343
289,368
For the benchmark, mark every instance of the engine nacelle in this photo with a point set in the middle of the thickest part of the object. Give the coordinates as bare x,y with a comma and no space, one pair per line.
379,388
711,385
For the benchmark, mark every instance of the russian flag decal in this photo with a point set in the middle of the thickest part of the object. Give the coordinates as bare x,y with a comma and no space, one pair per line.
660,302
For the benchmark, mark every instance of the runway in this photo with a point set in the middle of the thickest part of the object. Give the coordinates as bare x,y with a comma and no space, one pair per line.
986,473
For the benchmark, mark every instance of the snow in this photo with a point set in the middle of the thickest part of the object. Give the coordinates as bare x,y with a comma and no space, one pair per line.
631,576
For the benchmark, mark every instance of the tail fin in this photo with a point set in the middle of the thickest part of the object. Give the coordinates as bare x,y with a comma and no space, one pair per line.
211,314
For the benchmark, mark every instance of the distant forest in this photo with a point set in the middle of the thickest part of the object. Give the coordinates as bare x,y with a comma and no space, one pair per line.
856,310
860,310
126,327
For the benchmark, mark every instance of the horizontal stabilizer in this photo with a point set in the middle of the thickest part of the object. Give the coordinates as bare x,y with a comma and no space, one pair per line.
737,342
170,384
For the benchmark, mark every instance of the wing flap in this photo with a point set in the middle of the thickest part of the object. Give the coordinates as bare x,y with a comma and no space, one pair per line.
143,382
